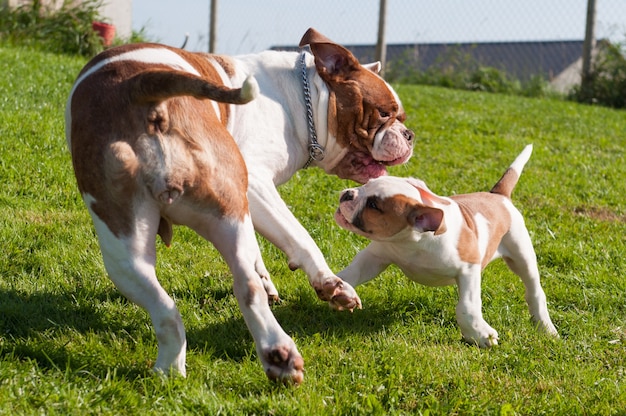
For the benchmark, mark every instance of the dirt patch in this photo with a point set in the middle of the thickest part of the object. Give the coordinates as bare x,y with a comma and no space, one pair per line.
600,214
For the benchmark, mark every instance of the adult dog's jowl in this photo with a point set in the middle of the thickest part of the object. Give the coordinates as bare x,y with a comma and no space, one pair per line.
160,136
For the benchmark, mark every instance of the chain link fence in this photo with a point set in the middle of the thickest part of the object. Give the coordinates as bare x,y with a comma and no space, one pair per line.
523,39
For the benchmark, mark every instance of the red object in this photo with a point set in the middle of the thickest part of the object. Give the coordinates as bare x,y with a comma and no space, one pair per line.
106,32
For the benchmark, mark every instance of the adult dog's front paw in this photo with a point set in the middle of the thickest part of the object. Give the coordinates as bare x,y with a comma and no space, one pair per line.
270,289
339,294
283,363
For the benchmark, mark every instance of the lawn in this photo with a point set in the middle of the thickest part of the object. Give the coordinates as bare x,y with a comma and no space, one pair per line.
71,344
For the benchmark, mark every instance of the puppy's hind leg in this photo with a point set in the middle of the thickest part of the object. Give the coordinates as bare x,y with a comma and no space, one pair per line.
520,256
130,261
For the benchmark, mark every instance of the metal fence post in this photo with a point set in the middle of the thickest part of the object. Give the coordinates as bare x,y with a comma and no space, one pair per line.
589,45
212,26
381,44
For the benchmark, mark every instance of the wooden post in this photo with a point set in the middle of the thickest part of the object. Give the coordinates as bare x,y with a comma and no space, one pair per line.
589,45
381,44
213,26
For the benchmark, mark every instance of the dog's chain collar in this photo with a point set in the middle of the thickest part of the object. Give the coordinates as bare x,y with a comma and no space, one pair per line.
316,150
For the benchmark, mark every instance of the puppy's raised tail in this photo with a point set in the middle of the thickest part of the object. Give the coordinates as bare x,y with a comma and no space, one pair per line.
158,85
508,181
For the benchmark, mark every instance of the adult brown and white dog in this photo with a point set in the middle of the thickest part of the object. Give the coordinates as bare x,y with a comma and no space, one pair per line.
439,241
159,136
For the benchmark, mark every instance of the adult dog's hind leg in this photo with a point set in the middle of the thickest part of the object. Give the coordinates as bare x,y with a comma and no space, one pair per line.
130,262
268,285
237,243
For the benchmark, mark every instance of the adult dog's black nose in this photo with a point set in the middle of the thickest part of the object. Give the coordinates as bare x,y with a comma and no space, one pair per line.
408,135
347,195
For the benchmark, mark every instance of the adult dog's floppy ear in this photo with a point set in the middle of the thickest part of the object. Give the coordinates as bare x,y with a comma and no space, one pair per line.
331,59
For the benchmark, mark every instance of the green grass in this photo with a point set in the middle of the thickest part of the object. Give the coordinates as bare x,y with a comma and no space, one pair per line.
71,344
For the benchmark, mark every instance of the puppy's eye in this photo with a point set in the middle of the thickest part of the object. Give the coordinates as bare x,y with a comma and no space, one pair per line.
384,114
372,204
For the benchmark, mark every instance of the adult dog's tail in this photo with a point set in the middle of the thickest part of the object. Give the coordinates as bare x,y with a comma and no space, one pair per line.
158,85
508,181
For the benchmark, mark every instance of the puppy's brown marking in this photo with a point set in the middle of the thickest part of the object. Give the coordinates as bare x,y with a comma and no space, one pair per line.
506,184
386,217
490,206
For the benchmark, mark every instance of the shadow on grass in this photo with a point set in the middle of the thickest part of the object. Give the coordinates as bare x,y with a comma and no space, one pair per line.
22,314
30,325
230,339
303,316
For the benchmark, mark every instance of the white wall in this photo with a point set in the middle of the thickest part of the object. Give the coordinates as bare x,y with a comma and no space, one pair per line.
119,13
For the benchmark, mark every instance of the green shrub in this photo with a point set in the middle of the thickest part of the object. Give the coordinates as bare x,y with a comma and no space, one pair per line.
491,80
607,81
67,30
458,70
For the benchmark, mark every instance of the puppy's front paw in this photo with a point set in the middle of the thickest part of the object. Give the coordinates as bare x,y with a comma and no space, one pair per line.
484,337
283,363
547,327
339,294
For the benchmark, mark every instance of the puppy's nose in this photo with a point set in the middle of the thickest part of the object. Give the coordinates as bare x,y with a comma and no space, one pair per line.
408,135
347,195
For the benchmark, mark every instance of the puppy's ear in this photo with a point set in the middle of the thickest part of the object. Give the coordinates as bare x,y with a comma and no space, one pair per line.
428,197
426,219
374,67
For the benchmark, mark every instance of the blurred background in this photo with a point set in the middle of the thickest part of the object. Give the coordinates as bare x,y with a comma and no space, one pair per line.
533,47
244,26
533,39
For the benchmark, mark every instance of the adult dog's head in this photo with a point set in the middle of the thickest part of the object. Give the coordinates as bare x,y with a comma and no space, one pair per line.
365,114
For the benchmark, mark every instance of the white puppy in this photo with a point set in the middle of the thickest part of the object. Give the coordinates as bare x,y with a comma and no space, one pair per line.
440,241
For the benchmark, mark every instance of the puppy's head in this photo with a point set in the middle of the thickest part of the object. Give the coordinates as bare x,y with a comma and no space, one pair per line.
388,206
365,114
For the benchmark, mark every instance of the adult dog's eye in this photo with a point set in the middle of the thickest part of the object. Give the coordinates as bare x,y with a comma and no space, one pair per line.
383,114
371,203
